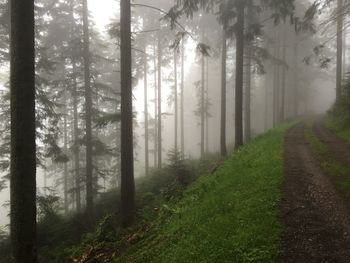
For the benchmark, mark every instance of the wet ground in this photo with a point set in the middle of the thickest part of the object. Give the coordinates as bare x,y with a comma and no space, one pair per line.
315,216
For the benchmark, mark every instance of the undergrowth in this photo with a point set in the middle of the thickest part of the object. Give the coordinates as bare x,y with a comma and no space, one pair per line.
337,171
72,238
230,216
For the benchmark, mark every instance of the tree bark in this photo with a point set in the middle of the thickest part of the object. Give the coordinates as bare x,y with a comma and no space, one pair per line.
160,55
202,108
223,148
247,95
23,148
339,50
182,98
155,110
207,106
175,102
146,113
127,151
65,168
239,76
76,148
283,84
296,82
88,112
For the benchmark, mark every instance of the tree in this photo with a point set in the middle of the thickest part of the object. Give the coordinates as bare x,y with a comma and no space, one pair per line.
182,97
235,11
339,49
159,97
23,148
76,148
223,149
175,102
88,112
127,155
145,65
239,75
202,103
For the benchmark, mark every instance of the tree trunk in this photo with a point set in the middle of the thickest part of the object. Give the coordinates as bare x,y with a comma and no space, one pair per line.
266,109
88,112
118,146
247,101
207,106
276,92
296,82
339,50
65,146
283,84
175,102
160,55
146,112
344,65
202,108
127,151
23,148
76,148
239,76
155,109
278,87
275,84
182,98
223,148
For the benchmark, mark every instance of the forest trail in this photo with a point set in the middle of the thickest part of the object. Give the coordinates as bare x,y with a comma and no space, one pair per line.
316,218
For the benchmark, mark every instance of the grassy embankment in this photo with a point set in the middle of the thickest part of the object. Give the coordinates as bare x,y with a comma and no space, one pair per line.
230,216
340,124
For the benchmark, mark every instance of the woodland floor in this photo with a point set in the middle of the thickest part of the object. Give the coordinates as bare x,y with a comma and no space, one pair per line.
315,210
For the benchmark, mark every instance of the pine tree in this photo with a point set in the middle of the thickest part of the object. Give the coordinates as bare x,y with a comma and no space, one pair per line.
127,159
23,147
88,112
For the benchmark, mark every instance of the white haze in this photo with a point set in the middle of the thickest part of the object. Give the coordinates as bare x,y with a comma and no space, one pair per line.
103,11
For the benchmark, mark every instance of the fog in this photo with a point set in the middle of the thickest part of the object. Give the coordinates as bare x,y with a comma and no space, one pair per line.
303,63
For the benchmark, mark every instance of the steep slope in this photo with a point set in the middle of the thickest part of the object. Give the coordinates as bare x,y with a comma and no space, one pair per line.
230,216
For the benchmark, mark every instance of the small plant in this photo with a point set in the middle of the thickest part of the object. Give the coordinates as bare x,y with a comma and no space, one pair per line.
48,206
178,167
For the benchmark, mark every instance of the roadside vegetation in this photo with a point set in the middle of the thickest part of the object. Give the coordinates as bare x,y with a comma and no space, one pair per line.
229,216
338,118
336,170
219,211
68,238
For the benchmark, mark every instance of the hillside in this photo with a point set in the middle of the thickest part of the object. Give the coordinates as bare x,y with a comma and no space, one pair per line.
229,216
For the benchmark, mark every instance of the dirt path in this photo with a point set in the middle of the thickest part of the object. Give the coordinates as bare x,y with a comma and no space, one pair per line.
316,219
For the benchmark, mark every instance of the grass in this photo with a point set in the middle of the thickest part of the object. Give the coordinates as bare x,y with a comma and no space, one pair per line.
230,216
339,124
338,172
61,238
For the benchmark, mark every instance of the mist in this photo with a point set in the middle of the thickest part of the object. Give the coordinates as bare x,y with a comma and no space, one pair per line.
130,115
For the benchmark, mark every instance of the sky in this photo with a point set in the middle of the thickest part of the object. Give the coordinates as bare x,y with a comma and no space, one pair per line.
103,11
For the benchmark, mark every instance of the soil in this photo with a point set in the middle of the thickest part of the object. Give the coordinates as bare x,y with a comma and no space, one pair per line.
316,218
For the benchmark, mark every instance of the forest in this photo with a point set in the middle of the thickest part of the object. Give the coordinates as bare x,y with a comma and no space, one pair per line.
174,131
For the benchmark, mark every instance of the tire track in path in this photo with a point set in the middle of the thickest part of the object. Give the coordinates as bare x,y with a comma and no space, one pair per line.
315,217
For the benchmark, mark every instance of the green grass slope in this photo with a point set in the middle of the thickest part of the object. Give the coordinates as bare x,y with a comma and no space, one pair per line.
230,216
340,124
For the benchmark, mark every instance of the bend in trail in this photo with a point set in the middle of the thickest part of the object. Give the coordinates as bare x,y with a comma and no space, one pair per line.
315,217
